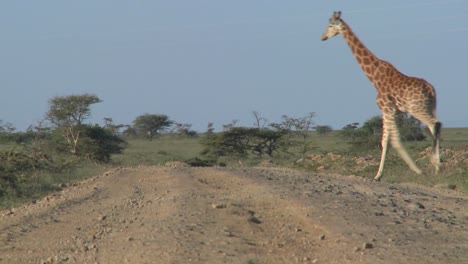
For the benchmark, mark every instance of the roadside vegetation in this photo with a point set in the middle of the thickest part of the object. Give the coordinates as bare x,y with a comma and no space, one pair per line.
64,148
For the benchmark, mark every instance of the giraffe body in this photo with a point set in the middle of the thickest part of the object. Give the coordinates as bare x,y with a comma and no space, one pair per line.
395,92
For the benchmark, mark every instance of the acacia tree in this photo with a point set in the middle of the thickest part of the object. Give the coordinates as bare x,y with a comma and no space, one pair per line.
113,128
152,124
68,114
241,141
323,130
260,122
297,127
184,129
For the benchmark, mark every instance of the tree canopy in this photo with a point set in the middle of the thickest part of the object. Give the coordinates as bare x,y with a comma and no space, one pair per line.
152,124
70,110
68,114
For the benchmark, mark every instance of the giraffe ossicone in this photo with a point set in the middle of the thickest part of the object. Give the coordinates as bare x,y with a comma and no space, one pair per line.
396,92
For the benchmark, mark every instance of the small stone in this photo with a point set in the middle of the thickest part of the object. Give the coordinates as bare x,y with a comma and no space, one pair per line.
218,206
367,245
131,239
452,186
322,237
254,220
416,205
102,217
419,205
356,249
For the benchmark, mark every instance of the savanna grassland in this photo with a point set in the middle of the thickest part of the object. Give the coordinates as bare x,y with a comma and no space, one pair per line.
327,154
149,205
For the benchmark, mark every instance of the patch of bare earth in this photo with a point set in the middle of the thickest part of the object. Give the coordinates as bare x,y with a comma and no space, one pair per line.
177,214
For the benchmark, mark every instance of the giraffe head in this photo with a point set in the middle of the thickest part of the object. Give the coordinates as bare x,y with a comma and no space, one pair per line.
335,26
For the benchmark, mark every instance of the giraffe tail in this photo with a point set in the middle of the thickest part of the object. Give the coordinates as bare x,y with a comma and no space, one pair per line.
436,146
437,130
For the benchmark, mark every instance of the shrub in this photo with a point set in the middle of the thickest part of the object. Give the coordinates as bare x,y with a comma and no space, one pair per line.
323,130
369,136
98,144
241,141
197,162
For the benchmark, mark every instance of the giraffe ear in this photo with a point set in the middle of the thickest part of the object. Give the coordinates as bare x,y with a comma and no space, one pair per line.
336,14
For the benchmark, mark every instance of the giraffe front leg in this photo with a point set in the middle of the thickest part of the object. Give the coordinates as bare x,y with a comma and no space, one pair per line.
384,145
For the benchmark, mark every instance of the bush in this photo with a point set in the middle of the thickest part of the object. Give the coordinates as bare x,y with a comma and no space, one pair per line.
241,141
197,162
8,184
17,167
323,130
369,136
98,144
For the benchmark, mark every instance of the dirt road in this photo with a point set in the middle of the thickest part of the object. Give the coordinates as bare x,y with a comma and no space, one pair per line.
221,215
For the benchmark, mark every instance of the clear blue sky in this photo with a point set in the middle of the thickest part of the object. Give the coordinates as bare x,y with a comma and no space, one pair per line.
215,61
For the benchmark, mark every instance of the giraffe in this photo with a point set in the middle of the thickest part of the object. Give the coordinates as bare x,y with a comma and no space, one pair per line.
396,92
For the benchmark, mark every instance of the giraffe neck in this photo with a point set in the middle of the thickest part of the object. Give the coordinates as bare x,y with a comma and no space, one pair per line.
368,61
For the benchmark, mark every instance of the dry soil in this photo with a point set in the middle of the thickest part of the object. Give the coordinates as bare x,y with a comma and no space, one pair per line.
245,215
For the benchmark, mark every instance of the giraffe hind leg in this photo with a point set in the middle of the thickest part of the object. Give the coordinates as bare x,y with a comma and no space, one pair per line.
390,131
396,144
428,118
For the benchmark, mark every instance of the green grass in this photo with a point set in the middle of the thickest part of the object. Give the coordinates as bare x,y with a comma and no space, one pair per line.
454,138
41,183
174,148
451,174
170,148
158,151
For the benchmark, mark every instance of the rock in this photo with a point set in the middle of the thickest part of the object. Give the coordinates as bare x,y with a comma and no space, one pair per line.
218,206
254,220
367,245
11,212
102,217
416,205
419,205
322,237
